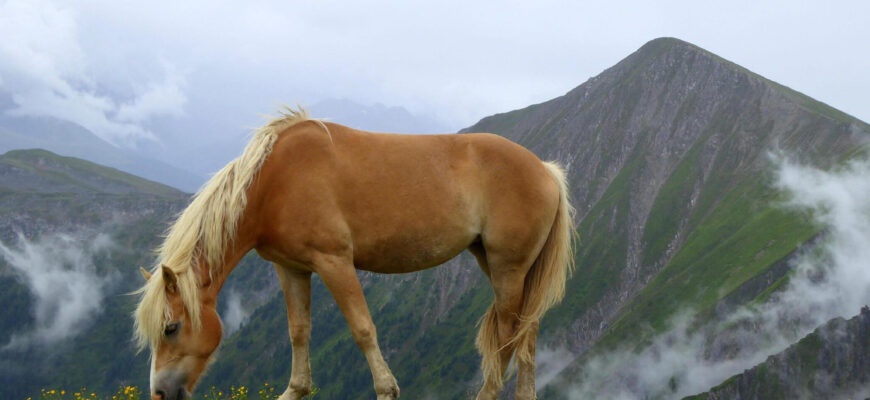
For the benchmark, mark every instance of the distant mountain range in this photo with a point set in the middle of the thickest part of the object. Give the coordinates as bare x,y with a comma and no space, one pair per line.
69,139
377,117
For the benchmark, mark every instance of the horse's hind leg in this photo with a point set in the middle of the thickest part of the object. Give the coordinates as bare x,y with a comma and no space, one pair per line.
526,372
498,328
297,293
339,275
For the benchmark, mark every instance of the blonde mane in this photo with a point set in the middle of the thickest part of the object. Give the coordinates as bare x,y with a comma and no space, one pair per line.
201,233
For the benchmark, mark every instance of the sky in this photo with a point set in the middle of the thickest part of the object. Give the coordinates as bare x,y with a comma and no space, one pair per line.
177,77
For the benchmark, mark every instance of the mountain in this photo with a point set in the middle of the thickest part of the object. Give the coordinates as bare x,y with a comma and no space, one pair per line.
669,157
669,165
72,236
669,154
829,363
377,117
69,139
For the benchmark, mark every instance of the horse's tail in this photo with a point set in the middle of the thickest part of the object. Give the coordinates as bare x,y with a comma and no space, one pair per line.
545,281
544,287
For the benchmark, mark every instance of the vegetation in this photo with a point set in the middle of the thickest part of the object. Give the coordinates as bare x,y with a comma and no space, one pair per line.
266,392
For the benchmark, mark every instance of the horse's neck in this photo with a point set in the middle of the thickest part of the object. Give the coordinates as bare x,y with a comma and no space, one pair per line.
245,237
217,278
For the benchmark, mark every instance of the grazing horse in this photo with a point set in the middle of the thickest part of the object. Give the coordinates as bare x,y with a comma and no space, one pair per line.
317,197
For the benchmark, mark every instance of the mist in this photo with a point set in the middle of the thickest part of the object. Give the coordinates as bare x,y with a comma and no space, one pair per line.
831,279
68,291
234,315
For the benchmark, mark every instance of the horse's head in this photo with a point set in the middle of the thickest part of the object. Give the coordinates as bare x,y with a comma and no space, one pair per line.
182,328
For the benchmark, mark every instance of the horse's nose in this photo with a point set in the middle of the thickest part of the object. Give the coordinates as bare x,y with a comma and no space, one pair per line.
159,395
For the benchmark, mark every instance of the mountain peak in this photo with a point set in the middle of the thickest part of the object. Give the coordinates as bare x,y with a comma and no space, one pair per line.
666,41
670,53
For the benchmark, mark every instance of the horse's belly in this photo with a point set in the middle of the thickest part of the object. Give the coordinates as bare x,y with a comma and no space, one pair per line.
410,252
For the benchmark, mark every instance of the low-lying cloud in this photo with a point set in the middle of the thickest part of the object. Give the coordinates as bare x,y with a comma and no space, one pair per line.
68,291
830,280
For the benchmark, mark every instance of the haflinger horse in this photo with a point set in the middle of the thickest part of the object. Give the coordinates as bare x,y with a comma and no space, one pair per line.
317,197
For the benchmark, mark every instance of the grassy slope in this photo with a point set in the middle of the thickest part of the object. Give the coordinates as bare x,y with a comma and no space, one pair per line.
52,168
68,201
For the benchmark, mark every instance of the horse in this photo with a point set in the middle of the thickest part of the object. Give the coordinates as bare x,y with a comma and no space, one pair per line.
317,197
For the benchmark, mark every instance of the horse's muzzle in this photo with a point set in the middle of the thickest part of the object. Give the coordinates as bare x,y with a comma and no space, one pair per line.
179,394
169,385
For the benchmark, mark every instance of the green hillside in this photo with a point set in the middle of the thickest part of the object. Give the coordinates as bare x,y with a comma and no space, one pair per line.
43,195
38,170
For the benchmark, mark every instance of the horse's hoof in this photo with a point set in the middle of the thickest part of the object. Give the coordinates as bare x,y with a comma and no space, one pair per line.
292,395
393,394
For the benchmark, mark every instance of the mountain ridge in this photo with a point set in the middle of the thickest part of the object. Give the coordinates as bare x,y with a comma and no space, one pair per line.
38,170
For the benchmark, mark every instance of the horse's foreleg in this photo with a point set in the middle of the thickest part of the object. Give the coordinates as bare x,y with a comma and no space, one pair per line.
339,275
297,294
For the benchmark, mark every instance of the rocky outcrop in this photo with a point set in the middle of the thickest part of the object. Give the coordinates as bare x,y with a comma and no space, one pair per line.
830,363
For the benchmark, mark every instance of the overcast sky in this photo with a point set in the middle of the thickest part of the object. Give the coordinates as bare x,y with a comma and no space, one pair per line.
180,71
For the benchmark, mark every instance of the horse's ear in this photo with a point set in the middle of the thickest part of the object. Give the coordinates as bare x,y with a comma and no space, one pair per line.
145,273
170,279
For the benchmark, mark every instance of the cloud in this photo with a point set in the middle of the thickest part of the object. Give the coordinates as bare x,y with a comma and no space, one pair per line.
829,280
60,273
47,73
156,99
234,315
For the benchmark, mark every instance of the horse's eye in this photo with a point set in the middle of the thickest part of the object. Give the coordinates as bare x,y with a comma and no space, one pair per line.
171,329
